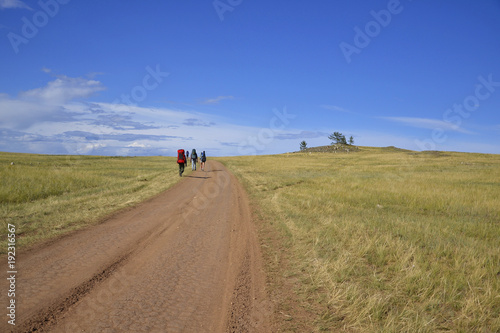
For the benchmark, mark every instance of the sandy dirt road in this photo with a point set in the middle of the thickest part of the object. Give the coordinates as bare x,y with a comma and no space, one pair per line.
187,260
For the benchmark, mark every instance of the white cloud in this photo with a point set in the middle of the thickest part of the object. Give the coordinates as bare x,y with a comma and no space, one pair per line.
302,135
117,129
335,108
138,145
16,113
428,124
170,132
87,133
217,99
197,122
49,120
82,148
49,103
13,4
111,129
63,89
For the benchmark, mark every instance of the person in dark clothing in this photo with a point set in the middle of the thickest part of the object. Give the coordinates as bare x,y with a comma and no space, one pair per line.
203,160
181,160
194,159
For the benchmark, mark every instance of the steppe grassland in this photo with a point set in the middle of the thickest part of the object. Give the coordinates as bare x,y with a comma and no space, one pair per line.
385,240
45,196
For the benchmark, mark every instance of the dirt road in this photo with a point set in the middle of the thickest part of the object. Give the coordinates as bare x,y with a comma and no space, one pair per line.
187,260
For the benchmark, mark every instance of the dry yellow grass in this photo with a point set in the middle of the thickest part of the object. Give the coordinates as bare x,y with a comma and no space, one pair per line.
379,240
46,196
385,240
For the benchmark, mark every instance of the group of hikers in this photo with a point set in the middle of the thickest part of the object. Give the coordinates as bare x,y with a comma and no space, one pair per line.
183,156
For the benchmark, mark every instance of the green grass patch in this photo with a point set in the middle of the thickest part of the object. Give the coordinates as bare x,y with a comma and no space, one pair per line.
386,240
46,196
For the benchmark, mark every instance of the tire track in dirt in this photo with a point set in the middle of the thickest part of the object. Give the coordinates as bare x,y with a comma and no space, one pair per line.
187,260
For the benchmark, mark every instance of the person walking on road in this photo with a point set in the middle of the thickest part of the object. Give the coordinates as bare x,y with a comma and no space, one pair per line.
181,160
194,158
203,160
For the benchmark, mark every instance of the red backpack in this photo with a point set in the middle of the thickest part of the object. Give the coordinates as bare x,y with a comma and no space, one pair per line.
181,158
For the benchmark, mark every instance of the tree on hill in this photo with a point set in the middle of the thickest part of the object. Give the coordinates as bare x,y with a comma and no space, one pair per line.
303,145
337,138
351,140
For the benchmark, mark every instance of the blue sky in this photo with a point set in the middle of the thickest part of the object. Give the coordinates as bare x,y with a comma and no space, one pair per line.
236,77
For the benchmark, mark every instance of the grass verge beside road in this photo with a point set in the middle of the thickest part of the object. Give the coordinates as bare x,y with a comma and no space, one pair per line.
382,240
46,196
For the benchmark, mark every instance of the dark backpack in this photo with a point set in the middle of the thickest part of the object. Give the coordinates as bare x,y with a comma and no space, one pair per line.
181,158
194,156
203,157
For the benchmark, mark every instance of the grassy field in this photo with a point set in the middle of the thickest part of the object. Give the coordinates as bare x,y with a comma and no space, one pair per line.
46,196
381,240
377,240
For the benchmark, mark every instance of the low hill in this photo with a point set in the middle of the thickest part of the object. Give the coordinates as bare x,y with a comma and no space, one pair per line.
338,148
341,148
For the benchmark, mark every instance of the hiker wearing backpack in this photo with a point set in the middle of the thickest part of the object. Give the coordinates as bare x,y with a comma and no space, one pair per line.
203,160
194,158
181,160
